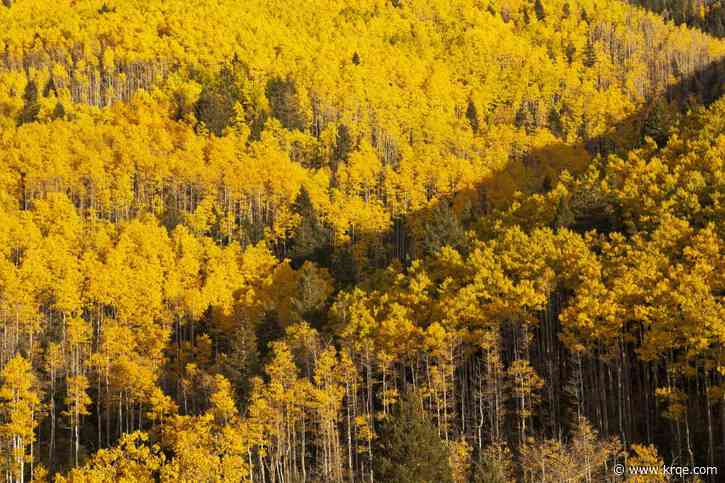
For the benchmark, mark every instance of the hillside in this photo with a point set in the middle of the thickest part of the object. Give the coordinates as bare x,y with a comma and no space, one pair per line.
247,240
707,15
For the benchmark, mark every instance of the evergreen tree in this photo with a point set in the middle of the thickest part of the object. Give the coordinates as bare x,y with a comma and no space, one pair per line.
31,108
285,105
590,54
472,115
527,19
566,11
492,464
442,227
408,449
219,96
311,239
564,216
105,9
584,15
343,144
570,52
657,122
59,111
242,362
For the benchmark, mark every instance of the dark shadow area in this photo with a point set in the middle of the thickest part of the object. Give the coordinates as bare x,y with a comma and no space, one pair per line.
444,223
545,164
710,19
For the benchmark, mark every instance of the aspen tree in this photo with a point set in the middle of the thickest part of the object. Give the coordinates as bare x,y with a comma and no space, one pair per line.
20,400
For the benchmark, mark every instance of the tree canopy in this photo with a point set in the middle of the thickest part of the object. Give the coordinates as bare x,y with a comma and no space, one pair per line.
368,240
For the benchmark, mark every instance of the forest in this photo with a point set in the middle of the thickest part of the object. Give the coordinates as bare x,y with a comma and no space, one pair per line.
410,241
708,15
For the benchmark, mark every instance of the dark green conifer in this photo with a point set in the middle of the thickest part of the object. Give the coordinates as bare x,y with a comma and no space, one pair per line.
472,115
408,448
31,108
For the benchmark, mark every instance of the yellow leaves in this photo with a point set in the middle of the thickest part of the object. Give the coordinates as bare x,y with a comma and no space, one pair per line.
436,338
205,451
418,285
330,378
79,331
77,399
57,215
313,286
584,457
675,402
131,460
203,218
398,333
383,93
459,459
192,439
361,173
352,218
183,285
248,284
138,265
222,273
185,92
162,406
646,456
40,474
53,359
222,402
18,399
282,371
525,380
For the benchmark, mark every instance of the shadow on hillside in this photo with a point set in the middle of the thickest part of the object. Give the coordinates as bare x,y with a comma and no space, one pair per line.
548,355
538,169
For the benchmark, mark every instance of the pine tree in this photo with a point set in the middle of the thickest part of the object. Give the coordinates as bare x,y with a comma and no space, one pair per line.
564,216
343,145
408,448
242,361
566,10
527,18
285,103
311,240
31,108
492,464
215,107
472,116
441,227
590,54
657,123
570,52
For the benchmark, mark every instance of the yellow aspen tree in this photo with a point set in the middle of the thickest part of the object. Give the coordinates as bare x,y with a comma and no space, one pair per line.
77,402
133,459
54,362
525,384
19,400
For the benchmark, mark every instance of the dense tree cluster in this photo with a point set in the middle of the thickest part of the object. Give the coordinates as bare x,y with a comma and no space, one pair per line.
708,15
358,241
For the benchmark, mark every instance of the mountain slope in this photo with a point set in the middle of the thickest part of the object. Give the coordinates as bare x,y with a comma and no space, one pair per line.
234,234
